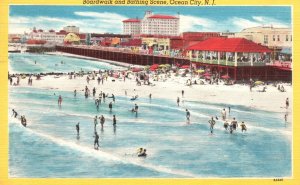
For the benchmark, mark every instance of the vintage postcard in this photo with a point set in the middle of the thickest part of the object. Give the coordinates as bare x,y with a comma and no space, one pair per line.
149,91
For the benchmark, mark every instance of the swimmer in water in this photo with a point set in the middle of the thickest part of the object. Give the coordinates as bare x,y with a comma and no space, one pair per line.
96,141
59,100
188,115
212,123
77,128
95,123
244,128
102,121
113,97
223,113
226,124
234,124
142,153
75,93
114,120
110,106
178,100
23,121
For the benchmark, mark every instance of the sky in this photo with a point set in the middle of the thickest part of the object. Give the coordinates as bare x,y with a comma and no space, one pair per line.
108,19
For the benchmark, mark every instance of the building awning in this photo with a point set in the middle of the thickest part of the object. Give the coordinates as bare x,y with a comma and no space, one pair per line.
229,45
286,50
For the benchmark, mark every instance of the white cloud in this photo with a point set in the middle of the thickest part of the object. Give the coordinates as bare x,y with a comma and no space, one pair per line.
192,23
92,22
234,24
104,22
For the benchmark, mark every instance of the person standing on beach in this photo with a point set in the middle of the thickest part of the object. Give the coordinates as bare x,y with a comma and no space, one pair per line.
150,96
182,93
98,80
188,115
103,95
88,79
59,100
18,80
228,110
110,106
287,103
10,80
178,100
94,92
75,93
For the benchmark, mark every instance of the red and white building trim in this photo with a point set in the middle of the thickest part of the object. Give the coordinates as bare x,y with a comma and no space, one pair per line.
152,24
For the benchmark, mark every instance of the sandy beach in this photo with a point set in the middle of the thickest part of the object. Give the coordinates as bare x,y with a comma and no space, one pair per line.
238,94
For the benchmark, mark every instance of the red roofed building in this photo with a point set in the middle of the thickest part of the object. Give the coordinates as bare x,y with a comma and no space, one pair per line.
152,24
188,39
158,16
238,57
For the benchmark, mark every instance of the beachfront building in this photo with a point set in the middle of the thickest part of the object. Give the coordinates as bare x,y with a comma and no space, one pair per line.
71,29
279,40
132,26
239,58
152,24
48,36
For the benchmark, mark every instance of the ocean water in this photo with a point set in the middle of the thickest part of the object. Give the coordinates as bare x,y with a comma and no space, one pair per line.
25,63
49,146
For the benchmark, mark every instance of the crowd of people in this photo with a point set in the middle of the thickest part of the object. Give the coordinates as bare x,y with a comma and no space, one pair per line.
102,76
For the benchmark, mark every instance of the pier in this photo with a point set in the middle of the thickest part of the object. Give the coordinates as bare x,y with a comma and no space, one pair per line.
259,72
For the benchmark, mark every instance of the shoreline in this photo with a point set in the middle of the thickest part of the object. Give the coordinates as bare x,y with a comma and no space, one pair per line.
272,100
170,88
92,58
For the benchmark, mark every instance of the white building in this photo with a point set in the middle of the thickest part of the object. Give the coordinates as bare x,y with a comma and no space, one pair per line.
71,29
268,36
51,36
153,24
132,26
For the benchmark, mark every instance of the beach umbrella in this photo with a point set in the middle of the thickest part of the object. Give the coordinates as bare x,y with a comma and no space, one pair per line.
207,74
154,66
146,67
200,71
258,82
162,65
152,69
185,67
207,77
136,69
225,76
